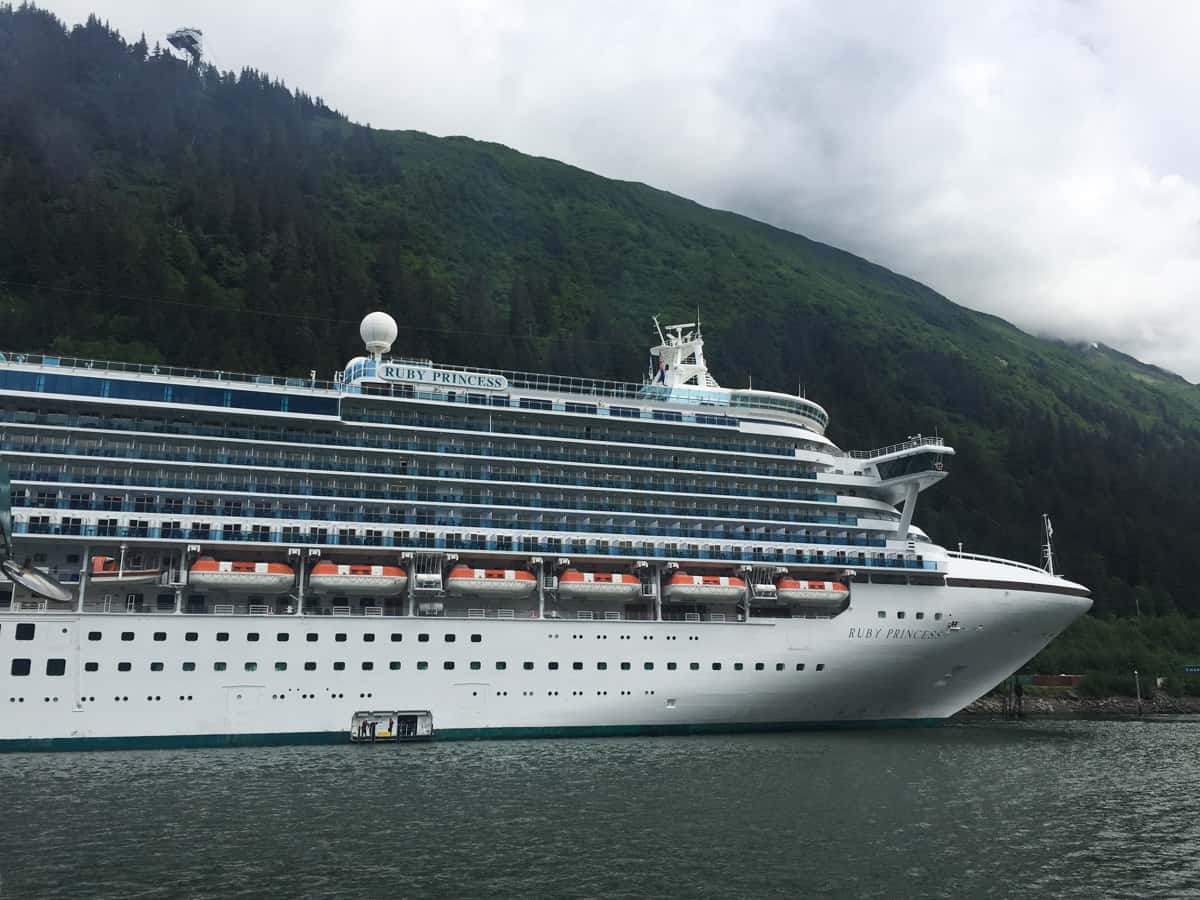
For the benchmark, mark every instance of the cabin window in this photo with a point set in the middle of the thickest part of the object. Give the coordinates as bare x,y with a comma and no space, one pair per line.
737,667
527,666
160,635
252,636
602,666
820,667
20,667
920,615
648,666
625,667
189,667
449,638
937,617
311,637
222,635
716,667
577,666
91,667
900,615
501,665
93,635
671,667
423,638
368,666
394,665
758,667
340,637
191,636
219,667
778,667
476,665
422,665
124,666
283,636
25,631
476,638
156,667
883,614
310,667
552,666
251,667
127,635
695,667
799,667
56,666
341,667
396,636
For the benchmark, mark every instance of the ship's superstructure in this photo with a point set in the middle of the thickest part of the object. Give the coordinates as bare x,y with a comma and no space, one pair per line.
255,557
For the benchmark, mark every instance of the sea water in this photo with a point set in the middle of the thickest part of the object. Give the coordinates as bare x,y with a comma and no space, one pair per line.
1033,809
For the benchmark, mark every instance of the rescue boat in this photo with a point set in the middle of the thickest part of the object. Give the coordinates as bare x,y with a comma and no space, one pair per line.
810,593
685,588
107,569
357,579
576,585
490,582
238,575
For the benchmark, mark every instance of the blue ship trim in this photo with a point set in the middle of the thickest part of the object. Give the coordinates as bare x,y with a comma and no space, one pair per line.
195,741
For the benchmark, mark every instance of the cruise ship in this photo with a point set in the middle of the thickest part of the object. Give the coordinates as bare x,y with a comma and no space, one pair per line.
475,553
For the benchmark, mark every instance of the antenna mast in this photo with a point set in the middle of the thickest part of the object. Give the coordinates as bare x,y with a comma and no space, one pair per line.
1048,546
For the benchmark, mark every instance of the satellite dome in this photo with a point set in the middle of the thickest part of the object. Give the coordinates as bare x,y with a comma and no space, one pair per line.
378,331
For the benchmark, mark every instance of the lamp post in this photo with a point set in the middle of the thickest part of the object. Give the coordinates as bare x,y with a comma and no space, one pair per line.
1137,686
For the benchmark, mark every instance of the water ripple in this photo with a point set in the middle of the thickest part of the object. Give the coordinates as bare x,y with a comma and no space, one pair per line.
1051,809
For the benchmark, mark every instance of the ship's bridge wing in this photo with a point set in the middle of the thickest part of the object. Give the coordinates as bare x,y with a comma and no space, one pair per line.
919,462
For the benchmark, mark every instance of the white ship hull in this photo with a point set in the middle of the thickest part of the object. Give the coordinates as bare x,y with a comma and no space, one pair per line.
858,669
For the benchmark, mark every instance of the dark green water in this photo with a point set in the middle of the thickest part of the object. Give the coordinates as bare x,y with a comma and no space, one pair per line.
1036,809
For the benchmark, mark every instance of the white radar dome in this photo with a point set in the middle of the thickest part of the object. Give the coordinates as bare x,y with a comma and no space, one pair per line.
378,331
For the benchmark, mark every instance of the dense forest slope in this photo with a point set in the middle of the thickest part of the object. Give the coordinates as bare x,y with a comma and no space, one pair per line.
149,211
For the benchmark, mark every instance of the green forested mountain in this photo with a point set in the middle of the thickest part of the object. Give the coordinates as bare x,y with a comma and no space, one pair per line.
149,211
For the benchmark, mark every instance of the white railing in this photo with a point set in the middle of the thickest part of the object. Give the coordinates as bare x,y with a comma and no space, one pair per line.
896,448
995,559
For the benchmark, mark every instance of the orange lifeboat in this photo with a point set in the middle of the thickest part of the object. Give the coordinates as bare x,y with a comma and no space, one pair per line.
810,593
237,575
684,588
331,577
490,582
107,569
575,585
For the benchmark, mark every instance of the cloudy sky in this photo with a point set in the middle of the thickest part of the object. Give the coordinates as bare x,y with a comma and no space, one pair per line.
1037,160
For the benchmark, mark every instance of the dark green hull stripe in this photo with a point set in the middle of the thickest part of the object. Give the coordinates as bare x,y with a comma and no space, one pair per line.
162,742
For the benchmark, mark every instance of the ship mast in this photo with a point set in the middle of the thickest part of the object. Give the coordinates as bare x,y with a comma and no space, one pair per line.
1048,544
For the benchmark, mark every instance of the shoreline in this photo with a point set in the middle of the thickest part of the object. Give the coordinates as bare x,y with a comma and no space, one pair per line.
1068,704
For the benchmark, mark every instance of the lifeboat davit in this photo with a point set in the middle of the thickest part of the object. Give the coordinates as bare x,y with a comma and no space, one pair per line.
107,569
357,579
685,588
235,575
575,585
810,593
490,582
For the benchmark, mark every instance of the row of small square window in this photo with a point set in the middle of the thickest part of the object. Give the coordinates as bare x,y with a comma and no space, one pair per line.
900,614
282,636
21,667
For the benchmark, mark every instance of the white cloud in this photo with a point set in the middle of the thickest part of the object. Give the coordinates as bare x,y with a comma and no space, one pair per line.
1036,160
